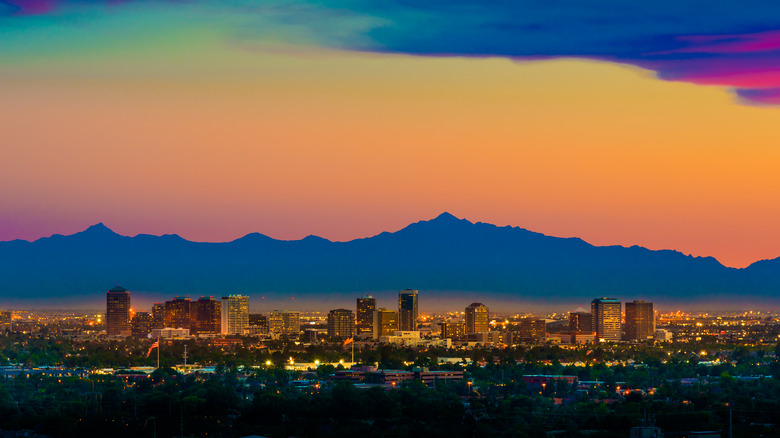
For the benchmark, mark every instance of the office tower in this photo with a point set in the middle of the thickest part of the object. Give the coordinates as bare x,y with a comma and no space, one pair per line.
455,330
235,314
5,320
640,321
606,318
118,312
207,316
580,320
365,314
259,322
341,323
385,322
407,310
158,315
283,322
141,325
477,319
178,313
532,329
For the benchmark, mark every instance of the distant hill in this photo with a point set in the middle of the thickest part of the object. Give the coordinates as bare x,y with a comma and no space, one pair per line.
445,257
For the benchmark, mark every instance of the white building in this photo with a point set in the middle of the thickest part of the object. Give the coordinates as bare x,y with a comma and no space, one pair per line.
170,333
235,314
662,335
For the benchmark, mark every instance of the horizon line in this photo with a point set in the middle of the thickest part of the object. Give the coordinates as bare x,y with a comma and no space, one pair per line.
445,215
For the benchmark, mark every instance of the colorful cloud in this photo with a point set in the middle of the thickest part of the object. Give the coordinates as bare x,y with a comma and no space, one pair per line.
733,44
728,44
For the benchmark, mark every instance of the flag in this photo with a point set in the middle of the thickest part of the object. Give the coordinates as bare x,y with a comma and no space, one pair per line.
348,341
155,345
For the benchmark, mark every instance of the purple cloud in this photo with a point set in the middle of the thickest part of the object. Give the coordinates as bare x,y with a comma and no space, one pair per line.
710,43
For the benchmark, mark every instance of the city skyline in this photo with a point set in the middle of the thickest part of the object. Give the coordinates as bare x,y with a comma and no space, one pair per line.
389,218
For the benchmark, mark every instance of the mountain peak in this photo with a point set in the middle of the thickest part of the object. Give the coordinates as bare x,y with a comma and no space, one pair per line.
98,230
448,217
99,227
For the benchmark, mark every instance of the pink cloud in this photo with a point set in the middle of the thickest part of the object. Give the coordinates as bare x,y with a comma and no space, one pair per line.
750,63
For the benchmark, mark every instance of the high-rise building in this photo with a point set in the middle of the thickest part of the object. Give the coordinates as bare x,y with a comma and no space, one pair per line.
365,314
606,318
141,325
6,316
640,321
207,316
385,322
477,319
580,320
532,329
341,323
235,314
178,313
283,322
158,315
258,322
455,330
407,310
118,312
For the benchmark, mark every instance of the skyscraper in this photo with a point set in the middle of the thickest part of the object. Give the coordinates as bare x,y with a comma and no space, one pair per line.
365,314
455,330
178,313
580,320
158,315
532,329
341,323
385,322
283,322
118,312
235,314
477,318
640,321
141,325
606,318
407,310
5,320
207,316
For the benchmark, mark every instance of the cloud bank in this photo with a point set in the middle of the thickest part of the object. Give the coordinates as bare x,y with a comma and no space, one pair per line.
722,43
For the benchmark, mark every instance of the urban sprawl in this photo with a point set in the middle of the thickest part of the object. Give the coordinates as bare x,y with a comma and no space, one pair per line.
595,366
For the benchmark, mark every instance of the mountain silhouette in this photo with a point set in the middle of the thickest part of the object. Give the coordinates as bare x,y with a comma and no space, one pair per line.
444,256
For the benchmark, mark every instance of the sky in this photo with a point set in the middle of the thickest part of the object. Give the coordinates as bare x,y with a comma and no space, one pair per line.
618,122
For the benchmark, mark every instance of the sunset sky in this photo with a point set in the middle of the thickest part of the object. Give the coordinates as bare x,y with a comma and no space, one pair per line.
617,122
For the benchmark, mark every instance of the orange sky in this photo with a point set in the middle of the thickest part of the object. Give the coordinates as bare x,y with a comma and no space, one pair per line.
218,143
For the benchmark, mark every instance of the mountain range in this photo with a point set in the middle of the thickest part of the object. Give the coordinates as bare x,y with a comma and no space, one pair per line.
446,258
